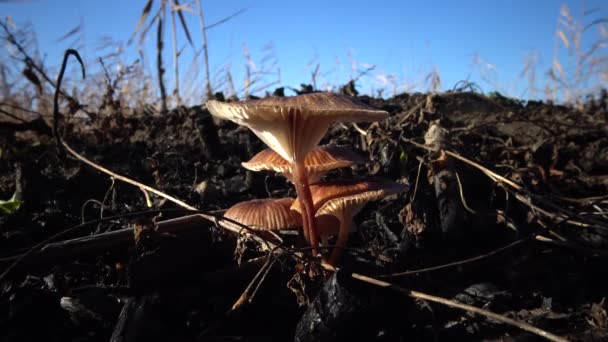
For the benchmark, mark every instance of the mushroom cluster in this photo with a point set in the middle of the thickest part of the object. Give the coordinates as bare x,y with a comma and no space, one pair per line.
292,127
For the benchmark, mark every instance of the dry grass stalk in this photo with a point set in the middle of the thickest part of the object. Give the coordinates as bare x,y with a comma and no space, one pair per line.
159,60
208,88
175,57
583,70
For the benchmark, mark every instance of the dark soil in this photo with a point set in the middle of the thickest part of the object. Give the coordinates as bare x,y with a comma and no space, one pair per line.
180,286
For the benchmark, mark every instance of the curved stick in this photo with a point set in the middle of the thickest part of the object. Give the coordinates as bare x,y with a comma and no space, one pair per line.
67,54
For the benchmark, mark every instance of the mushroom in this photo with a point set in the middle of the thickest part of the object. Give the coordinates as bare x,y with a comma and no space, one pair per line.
344,199
265,214
273,214
292,127
317,162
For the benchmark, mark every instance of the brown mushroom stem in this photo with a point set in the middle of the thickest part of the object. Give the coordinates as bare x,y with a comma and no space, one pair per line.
343,234
308,212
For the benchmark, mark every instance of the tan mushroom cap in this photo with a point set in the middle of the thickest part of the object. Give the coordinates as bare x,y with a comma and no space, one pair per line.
346,198
265,214
317,162
292,126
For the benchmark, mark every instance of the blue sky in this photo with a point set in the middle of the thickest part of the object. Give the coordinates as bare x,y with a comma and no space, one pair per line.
406,39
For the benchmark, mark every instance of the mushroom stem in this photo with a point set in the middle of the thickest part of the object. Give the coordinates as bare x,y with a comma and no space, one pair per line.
308,211
343,234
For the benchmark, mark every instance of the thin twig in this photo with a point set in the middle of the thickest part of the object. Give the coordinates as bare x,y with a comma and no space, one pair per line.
574,247
522,194
20,108
461,191
496,177
585,200
127,180
30,62
249,292
233,226
159,58
363,73
208,91
12,116
91,244
457,263
65,232
420,295
175,53
411,112
257,287
66,55
417,180
223,20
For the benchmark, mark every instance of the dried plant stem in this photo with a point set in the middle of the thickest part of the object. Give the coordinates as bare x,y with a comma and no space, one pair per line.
67,54
491,315
29,61
175,58
209,92
249,292
231,225
457,263
308,210
143,187
36,247
529,195
573,246
159,60
524,195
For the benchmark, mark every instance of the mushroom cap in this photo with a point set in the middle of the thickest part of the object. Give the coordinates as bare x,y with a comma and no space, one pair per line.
317,162
265,214
292,126
346,198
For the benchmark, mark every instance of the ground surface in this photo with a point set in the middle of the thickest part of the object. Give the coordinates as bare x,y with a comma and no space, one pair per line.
180,286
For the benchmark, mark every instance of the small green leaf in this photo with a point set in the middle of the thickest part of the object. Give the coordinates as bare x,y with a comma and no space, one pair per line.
11,206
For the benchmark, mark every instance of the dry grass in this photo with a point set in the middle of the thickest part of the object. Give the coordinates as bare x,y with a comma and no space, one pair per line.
118,84
578,69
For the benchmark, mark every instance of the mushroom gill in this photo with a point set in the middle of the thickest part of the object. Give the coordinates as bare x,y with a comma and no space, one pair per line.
317,162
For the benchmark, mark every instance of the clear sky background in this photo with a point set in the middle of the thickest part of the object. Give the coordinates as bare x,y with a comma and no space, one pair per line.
404,40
